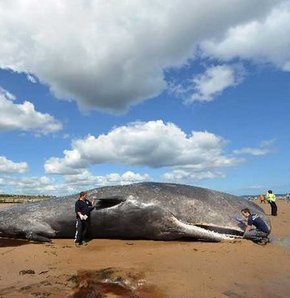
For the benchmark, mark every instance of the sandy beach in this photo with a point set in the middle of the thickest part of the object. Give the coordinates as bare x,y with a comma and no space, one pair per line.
123,268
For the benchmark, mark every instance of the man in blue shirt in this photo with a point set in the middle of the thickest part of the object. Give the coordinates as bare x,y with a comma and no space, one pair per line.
256,229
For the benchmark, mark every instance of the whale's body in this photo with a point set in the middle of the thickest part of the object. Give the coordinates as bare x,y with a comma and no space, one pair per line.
159,211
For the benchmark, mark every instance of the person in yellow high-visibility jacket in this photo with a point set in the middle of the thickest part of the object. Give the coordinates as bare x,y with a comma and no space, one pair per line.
271,199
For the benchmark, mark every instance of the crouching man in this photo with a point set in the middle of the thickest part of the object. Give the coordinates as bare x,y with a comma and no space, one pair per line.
256,229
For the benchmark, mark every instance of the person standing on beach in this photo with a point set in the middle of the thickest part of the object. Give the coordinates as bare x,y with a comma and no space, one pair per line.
82,210
271,199
262,199
259,233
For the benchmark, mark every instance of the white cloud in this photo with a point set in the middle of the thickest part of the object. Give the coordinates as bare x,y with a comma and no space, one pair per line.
188,174
213,81
265,40
265,148
107,55
252,151
24,117
8,167
31,78
6,94
29,185
153,144
85,178
72,184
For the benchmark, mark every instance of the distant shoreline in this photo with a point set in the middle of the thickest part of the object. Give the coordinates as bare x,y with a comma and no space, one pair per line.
4,199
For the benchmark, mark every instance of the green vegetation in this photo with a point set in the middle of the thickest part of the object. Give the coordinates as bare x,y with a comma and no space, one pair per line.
10,198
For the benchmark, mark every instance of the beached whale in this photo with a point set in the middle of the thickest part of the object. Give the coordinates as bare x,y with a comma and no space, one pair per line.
159,211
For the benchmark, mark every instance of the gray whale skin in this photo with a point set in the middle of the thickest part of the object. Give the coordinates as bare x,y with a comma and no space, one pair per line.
157,211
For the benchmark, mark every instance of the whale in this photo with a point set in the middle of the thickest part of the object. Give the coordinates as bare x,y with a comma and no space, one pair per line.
148,210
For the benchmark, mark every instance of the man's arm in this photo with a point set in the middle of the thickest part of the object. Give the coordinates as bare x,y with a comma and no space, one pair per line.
78,212
248,228
81,216
93,205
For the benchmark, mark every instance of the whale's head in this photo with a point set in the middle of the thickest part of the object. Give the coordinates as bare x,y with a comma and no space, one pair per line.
11,224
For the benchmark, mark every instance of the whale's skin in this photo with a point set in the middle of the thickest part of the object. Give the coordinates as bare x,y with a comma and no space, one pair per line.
157,211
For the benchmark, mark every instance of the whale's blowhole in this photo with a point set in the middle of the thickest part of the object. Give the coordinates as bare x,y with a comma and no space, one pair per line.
108,202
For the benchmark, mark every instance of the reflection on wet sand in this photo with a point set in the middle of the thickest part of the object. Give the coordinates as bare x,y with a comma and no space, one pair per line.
281,241
112,281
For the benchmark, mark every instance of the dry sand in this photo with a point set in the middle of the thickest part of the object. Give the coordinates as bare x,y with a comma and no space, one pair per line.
150,268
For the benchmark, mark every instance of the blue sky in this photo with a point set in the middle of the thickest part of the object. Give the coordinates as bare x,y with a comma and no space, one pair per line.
96,93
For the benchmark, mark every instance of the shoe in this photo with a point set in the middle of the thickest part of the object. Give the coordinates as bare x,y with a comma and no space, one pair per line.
84,243
263,241
77,244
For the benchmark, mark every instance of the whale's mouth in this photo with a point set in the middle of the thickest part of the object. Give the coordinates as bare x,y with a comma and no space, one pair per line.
103,203
220,230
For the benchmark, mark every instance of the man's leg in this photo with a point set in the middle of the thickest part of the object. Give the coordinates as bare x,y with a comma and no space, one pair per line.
271,204
87,234
275,208
85,231
256,236
79,232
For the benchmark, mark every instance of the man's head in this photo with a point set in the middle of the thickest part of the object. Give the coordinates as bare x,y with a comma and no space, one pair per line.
83,195
246,212
269,191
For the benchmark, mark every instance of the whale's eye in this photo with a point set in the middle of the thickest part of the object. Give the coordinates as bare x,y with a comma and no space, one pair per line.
109,202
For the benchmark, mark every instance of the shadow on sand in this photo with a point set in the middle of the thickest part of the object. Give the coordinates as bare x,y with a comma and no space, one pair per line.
7,242
281,241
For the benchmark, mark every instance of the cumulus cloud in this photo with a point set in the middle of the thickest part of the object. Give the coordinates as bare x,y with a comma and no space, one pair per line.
24,117
87,179
29,185
8,166
71,184
264,40
213,81
154,144
107,55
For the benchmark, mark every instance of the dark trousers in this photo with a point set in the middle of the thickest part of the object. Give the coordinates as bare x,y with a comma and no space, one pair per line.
273,208
88,234
81,230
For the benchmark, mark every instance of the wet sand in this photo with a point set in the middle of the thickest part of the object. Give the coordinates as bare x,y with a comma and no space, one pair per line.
119,268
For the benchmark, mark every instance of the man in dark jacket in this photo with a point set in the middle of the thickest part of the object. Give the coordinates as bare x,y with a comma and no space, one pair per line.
83,208
256,229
